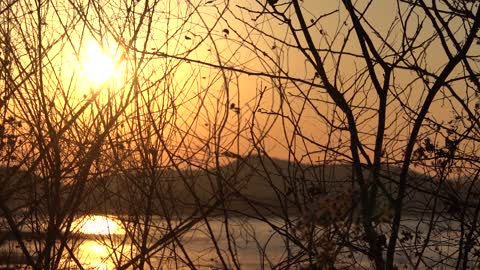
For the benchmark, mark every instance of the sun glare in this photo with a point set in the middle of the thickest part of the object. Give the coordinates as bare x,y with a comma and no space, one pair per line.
99,225
99,64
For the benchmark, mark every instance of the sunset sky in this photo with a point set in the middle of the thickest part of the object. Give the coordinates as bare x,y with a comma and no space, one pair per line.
101,54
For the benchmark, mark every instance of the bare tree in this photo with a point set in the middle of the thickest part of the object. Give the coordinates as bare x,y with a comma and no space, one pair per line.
383,92
348,129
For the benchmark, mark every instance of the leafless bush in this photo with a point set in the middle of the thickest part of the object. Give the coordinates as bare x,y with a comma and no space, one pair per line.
347,131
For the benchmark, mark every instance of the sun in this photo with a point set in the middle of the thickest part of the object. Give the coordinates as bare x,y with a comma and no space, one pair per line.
99,63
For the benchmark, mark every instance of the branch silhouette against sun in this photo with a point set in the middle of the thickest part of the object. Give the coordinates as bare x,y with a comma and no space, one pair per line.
271,134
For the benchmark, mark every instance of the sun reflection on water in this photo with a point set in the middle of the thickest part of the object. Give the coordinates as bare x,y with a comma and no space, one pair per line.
99,225
97,253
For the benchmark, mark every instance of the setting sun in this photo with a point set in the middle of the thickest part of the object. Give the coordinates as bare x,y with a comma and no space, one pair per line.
99,63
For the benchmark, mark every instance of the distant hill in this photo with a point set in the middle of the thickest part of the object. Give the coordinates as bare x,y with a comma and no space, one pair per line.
253,186
15,188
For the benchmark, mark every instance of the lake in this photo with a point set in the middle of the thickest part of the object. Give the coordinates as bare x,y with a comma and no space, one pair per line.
107,241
